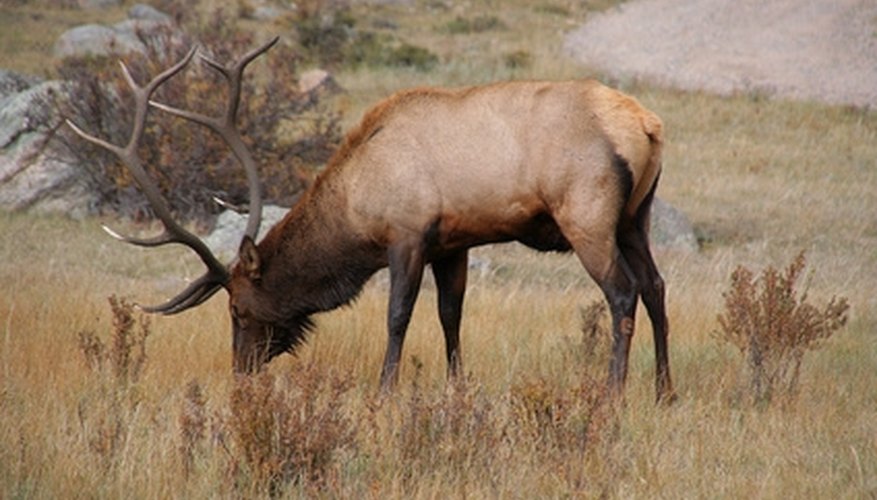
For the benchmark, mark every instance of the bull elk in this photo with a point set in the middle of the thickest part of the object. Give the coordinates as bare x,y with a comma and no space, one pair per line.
428,174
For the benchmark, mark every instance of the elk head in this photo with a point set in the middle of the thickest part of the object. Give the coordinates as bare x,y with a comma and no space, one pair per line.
258,334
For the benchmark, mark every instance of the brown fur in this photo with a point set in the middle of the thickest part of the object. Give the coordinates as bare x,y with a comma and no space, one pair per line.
429,173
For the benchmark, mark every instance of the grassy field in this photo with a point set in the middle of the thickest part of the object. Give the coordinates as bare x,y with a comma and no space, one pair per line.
761,180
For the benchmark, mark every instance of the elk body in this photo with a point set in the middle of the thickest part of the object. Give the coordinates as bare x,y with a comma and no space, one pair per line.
427,175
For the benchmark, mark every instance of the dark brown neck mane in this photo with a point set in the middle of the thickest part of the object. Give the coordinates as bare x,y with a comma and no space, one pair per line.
313,261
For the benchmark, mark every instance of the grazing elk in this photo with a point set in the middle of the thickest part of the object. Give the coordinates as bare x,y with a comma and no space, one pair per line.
428,174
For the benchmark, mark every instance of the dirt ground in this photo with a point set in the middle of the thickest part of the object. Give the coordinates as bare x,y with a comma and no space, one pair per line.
802,49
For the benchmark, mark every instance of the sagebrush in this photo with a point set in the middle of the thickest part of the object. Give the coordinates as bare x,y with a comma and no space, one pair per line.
773,325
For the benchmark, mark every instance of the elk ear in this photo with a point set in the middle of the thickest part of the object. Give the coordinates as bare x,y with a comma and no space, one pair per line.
249,258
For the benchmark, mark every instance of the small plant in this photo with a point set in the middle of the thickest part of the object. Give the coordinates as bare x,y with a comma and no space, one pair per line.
596,338
289,429
773,326
478,24
413,56
456,431
518,59
125,354
563,419
324,30
552,9
104,413
193,425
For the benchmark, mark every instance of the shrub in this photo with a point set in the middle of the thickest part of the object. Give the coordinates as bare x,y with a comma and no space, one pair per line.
478,24
106,408
193,424
189,163
563,419
773,327
125,354
450,430
518,59
552,9
381,50
407,55
327,34
289,429
324,30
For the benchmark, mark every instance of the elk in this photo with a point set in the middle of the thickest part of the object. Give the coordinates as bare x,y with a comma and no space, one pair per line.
428,174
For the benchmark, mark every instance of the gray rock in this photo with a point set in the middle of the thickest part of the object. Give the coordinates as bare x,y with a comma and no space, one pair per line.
120,39
34,175
13,83
98,4
671,228
317,81
96,40
225,238
268,13
147,12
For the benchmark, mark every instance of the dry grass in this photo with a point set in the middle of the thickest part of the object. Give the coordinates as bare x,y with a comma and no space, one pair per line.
761,180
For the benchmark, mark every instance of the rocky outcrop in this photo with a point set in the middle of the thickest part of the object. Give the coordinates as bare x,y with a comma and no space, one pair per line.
34,174
145,12
121,38
225,238
671,228
36,171
98,4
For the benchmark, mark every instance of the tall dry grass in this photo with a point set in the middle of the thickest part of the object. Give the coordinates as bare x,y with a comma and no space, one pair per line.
761,180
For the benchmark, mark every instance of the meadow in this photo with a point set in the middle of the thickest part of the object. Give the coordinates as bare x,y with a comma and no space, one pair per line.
163,416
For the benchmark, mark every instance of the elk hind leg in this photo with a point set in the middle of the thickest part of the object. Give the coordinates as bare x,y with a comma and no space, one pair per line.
603,260
450,278
635,248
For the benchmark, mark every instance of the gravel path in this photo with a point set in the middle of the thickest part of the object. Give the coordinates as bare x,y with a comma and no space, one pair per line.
802,49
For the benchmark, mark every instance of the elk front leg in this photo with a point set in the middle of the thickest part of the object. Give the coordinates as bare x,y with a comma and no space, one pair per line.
406,271
450,278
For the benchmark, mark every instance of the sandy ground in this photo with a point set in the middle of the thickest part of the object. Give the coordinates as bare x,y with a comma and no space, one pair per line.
802,49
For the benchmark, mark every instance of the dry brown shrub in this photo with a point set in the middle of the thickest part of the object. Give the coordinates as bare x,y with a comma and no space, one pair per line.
190,164
288,429
193,425
117,366
125,354
773,326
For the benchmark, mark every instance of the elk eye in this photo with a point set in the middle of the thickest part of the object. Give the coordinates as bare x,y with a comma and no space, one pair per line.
238,318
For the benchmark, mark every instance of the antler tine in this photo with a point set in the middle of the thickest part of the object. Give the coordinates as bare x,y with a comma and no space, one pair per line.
217,273
226,127
241,209
196,293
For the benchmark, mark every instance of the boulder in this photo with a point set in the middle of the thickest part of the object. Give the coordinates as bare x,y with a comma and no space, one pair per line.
119,39
98,4
671,228
268,13
34,174
225,238
145,12
317,81
13,83
96,40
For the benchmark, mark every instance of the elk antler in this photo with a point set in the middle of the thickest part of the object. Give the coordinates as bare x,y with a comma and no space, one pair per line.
217,274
